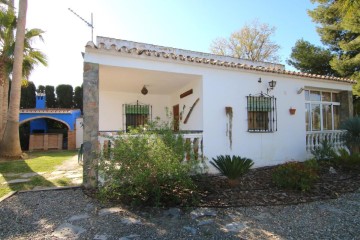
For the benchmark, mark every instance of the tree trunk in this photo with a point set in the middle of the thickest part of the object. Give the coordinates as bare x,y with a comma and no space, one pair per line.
10,144
5,104
4,85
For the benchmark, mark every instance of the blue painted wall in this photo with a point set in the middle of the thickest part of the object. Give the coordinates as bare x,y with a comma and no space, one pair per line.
69,118
40,124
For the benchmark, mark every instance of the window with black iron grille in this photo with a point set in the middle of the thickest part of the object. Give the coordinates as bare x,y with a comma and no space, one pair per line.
262,116
136,115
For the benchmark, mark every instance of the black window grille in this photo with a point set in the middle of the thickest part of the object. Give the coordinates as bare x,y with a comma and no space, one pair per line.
262,116
136,115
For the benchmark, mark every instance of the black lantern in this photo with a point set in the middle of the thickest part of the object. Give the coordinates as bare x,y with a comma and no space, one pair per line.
272,84
144,90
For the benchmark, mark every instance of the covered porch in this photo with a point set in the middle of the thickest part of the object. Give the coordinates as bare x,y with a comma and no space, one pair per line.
130,97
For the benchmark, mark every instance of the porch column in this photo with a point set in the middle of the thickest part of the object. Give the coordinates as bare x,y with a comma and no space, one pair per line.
91,123
346,105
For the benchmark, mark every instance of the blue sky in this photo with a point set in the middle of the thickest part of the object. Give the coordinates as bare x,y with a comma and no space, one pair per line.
185,24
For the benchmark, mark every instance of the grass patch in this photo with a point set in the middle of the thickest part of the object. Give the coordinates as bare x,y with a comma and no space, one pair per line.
37,162
45,162
64,181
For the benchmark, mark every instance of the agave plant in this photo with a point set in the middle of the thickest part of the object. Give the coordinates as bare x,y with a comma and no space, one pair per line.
351,136
232,167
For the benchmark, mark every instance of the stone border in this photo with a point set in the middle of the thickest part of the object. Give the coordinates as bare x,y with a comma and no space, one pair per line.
51,189
39,190
8,195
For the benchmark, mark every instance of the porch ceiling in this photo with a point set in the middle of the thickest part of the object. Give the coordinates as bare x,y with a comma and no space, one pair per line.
132,80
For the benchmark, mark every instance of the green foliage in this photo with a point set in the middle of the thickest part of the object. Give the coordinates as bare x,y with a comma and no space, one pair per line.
147,168
339,28
64,94
347,160
41,89
325,151
50,96
352,134
78,98
39,162
295,175
28,96
312,164
309,58
232,167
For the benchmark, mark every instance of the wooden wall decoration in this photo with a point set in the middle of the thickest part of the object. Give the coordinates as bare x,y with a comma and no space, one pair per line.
190,111
187,93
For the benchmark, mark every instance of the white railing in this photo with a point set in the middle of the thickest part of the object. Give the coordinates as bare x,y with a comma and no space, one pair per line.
314,139
195,140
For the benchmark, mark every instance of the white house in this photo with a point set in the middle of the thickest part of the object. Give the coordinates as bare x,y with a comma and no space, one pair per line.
233,109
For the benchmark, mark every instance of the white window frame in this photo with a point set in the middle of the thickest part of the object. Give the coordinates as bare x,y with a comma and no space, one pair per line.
321,103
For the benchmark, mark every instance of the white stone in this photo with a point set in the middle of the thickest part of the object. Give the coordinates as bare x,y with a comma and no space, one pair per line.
132,236
106,211
68,231
235,227
190,229
332,170
79,217
100,237
28,175
202,212
205,222
17,181
130,220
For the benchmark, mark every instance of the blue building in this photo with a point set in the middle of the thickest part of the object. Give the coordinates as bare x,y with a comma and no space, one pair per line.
40,138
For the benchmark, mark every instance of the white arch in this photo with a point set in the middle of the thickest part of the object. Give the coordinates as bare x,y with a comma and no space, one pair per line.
38,117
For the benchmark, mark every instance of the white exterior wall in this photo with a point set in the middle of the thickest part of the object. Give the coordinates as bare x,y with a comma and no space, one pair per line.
111,104
219,87
195,121
79,132
230,88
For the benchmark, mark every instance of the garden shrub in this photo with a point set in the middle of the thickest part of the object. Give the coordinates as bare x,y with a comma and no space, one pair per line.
232,167
351,136
147,168
295,175
347,160
325,151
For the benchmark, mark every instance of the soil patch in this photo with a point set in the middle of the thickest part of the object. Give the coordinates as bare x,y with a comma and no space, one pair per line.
257,189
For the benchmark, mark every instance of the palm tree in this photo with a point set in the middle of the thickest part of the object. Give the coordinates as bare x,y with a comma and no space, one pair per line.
10,145
7,26
31,58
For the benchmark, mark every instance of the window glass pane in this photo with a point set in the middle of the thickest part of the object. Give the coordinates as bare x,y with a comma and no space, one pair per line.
326,97
315,117
315,96
327,119
258,120
336,117
307,116
335,97
307,95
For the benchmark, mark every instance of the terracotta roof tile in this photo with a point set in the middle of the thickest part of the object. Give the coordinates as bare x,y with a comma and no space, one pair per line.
110,44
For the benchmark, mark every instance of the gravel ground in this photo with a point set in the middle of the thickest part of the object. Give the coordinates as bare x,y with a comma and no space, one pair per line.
70,214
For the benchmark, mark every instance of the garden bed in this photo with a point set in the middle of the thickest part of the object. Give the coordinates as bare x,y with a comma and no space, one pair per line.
257,189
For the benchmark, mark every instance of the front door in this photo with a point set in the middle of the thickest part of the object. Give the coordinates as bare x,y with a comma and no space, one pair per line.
176,117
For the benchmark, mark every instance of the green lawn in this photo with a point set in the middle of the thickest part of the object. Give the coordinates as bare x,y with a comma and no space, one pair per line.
40,162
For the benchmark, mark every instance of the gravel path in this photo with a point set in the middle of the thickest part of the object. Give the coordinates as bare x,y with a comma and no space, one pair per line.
70,214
